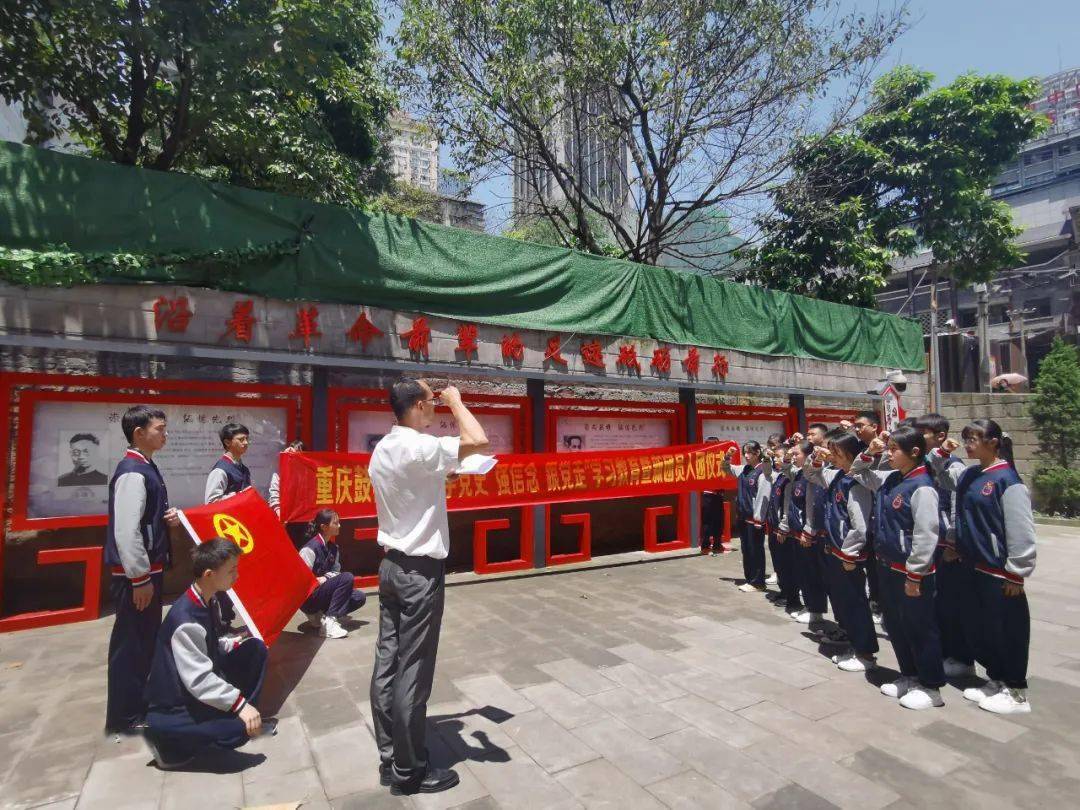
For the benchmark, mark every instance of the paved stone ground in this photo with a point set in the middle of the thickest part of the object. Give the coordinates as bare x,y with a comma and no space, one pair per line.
635,686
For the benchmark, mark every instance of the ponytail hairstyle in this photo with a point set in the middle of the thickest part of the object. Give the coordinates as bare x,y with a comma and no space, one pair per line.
322,518
988,429
847,443
909,439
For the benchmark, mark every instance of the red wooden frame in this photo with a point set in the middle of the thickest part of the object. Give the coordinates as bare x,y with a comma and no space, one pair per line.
746,413
366,534
832,414
652,541
674,413
482,528
91,601
584,552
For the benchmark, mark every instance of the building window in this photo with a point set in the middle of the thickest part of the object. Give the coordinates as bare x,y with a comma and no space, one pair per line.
967,318
1041,307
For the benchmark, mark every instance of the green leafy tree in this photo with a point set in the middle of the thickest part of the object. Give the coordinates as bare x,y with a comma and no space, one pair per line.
283,95
911,174
1055,406
405,200
696,103
546,231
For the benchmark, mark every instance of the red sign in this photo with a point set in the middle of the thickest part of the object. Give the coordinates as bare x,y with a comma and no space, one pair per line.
554,351
592,354
174,314
719,366
363,331
243,318
661,360
419,336
628,358
513,350
273,581
307,325
339,481
692,362
466,340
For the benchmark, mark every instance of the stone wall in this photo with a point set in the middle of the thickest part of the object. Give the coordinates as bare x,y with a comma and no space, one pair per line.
1008,410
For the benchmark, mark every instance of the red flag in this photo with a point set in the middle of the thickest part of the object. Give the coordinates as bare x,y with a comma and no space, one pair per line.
273,580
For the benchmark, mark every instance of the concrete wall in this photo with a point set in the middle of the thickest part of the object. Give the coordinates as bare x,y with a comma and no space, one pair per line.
1008,410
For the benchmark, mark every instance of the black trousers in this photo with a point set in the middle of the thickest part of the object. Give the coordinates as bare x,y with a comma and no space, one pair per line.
183,730
847,590
753,553
782,552
712,519
809,567
912,625
954,626
336,597
411,594
131,652
1004,629
873,584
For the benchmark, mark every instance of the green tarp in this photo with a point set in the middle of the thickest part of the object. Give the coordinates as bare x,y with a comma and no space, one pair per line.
350,256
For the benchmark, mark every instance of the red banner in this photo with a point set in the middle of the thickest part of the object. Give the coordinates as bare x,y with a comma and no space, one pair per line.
273,580
339,481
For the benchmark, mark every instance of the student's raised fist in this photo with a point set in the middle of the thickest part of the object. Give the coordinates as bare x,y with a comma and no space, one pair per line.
797,437
846,425
877,447
950,445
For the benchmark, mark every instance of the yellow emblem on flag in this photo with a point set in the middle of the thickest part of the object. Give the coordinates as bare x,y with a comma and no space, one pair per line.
232,529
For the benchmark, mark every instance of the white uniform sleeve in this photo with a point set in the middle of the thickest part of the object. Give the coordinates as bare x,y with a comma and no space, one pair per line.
196,670
858,508
308,556
437,455
811,519
129,502
216,484
761,498
1019,531
864,471
784,501
924,536
947,476
274,494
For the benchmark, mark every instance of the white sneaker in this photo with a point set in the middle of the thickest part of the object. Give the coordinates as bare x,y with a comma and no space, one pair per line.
771,579
806,617
331,628
876,617
746,587
898,688
1007,701
920,697
958,669
855,663
978,694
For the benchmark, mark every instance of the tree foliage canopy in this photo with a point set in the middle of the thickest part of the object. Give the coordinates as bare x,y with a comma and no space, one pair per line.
282,95
636,113
912,174
1055,408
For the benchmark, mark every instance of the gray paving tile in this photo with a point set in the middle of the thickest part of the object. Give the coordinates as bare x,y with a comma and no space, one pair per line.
634,678
468,790
583,679
599,784
692,791
521,783
639,712
371,800
213,789
916,750
649,660
327,709
793,797
347,760
801,731
634,754
296,786
719,722
551,746
125,783
563,704
728,767
491,690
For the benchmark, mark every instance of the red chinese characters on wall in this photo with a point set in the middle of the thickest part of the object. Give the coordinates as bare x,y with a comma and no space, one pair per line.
554,351
661,360
719,366
418,337
241,324
363,331
307,325
173,314
513,350
692,362
467,335
628,359
592,354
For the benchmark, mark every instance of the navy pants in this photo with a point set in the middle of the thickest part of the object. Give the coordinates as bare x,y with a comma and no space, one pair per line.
712,519
847,589
809,565
873,584
131,652
753,553
336,597
912,625
1004,627
783,560
181,731
954,626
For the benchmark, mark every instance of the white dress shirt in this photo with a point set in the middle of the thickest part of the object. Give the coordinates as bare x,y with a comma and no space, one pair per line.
408,470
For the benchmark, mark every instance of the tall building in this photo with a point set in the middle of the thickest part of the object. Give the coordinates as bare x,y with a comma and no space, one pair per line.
415,153
601,162
1030,304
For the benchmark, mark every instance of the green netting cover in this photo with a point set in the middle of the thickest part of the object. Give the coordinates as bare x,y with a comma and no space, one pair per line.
351,256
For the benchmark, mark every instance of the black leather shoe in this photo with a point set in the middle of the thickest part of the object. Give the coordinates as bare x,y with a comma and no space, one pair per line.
384,774
435,780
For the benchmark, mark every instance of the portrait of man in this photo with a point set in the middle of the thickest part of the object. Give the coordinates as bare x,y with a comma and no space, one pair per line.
574,444
85,458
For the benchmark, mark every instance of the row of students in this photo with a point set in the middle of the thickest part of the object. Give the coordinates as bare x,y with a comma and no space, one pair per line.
953,545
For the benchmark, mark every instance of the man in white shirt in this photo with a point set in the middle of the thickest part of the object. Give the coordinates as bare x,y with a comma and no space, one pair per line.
408,470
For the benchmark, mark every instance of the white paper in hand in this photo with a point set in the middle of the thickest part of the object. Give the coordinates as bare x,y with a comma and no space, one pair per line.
477,465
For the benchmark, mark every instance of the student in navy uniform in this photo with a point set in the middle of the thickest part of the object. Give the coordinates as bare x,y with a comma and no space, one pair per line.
204,687
867,427
751,501
995,534
229,475
953,576
136,551
847,507
908,523
335,597
712,516
806,546
781,545
274,491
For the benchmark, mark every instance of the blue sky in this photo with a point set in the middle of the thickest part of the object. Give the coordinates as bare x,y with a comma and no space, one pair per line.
948,38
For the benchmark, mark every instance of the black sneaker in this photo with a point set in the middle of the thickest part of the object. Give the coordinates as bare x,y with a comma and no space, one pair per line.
435,780
385,779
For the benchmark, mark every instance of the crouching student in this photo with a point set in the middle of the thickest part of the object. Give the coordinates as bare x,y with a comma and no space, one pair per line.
335,597
806,548
203,688
908,521
847,505
995,533
751,501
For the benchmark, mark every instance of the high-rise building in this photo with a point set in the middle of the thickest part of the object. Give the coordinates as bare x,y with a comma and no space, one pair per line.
415,153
